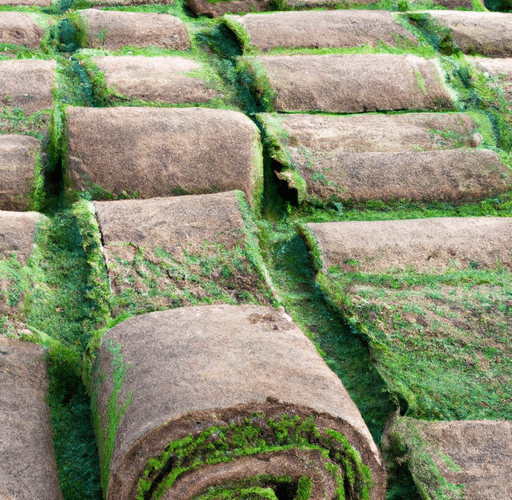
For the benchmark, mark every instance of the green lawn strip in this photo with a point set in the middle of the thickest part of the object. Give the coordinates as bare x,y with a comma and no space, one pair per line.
405,448
441,342
288,261
255,436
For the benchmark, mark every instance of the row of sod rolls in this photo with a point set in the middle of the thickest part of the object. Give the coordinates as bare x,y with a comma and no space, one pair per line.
225,401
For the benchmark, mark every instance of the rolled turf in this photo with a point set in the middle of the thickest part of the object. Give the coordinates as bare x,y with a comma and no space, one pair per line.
225,402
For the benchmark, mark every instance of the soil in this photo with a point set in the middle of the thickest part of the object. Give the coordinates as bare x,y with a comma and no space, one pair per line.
20,29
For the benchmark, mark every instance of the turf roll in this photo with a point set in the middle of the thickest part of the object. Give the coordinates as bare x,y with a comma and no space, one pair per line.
225,401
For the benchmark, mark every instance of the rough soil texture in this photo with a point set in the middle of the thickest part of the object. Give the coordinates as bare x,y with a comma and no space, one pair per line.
19,29
40,3
448,175
337,29
486,33
370,133
18,155
481,448
205,8
160,152
430,245
501,70
28,465
355,83
27,84
227,361
162,79
113,30
17,230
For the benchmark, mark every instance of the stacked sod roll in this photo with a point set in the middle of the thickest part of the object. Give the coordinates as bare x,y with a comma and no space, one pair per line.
225,401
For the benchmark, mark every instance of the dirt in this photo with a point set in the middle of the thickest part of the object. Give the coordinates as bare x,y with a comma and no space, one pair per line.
333,83
227,361
28,465
501,72
113,30
160,79
17,230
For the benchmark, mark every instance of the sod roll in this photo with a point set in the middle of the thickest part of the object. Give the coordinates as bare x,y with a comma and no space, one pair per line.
19,29
348,83
230,401
334,29
27,469
163,152
161,79
486,33
17,230
113,30
499,70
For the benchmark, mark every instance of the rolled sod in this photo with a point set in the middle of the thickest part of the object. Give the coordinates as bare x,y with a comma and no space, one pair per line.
28,468
161,79
335,29
385,157
20,171
348,83
432,297
486,33
113,30
19,29
475,455
205,8
164,253
27,84
17,230
246,408
153,152
39,3
501,72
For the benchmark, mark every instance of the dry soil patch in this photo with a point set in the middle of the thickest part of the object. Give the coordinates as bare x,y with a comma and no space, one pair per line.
354,83
39,3
486,33
27,84
113,30
228,361
161,152
205,8
18,160
336,29
28,465
161,79
430,245
17,230
19,29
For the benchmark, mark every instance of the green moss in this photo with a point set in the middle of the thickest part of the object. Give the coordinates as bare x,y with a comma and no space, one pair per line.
241,34
255,436
313,246
253,75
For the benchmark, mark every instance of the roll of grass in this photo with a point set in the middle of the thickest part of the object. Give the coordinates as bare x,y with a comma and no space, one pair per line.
225,401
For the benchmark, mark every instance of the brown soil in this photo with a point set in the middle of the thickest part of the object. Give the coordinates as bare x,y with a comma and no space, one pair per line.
160,152
486,33
20,29
341,28
17,163
27,84
17,230
370,133
228,361
481,448
28,465
500,70
162,79
113,30
40,3
426,245
334,83
448,175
